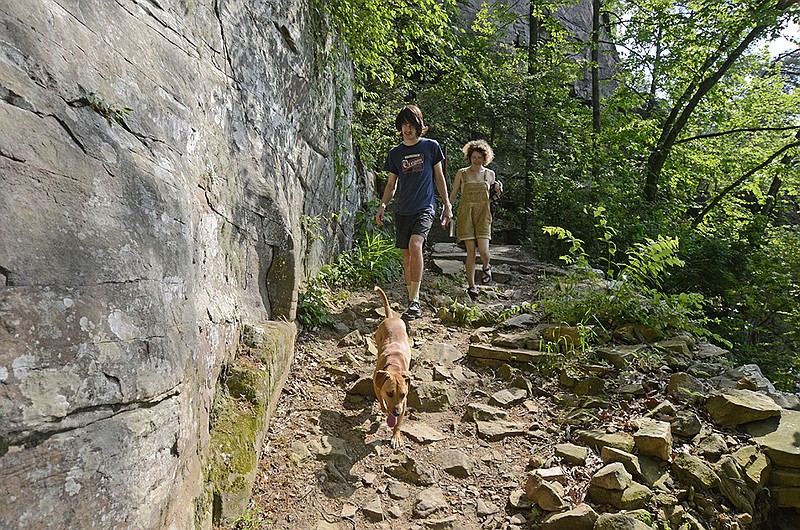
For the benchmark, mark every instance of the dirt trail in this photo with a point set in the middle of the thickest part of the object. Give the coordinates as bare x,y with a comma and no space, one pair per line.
327,462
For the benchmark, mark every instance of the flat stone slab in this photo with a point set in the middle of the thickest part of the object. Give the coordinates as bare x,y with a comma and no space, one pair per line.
600,439
736,407
778,438
439,354
501,254
485,351
497,430
422,432
450,267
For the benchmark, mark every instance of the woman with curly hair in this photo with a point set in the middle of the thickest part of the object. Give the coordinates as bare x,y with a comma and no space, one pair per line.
474,217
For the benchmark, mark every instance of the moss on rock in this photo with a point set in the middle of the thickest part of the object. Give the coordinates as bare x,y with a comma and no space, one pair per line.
243,404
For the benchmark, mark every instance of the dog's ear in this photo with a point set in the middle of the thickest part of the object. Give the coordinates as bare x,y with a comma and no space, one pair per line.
380,377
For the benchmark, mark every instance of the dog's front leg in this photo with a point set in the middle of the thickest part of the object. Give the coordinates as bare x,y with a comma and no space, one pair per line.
397,437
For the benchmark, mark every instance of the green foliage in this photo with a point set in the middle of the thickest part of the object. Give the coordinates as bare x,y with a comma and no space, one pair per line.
722,188
111,112
649,261
374,260
761,313
630,294
312,304
573,353
394,47
251,519
365,221
378,35
472,315
575,255
648,360
464,315
525,307
750,279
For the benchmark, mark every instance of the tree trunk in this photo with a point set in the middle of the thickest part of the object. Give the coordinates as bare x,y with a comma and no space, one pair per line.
595,66
691,97
772,196
595,50
531,142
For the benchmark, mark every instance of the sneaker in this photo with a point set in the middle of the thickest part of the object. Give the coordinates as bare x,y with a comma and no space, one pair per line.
414,310
472,292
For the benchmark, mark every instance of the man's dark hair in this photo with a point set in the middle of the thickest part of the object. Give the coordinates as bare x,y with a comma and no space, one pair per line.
413,116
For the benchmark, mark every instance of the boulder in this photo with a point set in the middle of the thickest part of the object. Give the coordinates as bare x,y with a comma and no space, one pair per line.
432,396
612,477
157,161
654,438
733,485
684,387
619,521
549,496
456,463
508,397
693,471
582,517
599,439
498,429
633,497
429,501
572,454
736,407
686,424
757,467
631,462
777,437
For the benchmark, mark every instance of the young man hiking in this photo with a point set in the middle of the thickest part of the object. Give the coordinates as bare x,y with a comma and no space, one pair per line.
414,167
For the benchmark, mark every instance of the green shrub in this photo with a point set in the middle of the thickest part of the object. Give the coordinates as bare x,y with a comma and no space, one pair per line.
374,260
631,292
312,304
471,315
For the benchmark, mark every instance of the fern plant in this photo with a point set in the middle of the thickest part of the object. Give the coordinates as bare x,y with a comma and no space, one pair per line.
631,291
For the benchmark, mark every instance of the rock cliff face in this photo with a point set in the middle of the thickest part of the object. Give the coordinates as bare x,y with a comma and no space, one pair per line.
137,244
576,18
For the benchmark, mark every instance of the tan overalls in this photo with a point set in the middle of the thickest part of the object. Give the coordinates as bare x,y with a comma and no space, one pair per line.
474,217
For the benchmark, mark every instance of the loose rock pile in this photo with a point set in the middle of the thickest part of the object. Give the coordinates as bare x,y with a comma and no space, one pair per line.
504,435
733,471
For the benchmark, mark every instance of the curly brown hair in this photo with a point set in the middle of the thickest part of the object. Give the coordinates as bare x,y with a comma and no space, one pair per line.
481,146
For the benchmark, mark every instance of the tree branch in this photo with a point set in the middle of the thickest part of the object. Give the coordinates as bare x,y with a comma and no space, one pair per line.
733,185
734,131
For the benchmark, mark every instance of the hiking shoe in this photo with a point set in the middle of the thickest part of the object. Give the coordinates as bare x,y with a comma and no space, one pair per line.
414,310
472,292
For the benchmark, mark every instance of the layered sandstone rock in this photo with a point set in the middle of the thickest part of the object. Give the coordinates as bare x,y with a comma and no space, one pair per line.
156,162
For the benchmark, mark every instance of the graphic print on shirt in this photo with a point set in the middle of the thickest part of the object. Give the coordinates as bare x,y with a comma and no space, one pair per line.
413,163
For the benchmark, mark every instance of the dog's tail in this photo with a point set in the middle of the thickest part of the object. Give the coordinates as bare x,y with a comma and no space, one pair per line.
386,307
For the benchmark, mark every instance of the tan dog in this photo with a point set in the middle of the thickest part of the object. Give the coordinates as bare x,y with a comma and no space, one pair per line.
391,378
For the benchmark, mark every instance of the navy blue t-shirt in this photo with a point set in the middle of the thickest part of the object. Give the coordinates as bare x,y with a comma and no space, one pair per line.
413,165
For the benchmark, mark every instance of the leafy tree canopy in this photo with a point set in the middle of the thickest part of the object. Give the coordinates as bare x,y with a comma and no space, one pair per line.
698,139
